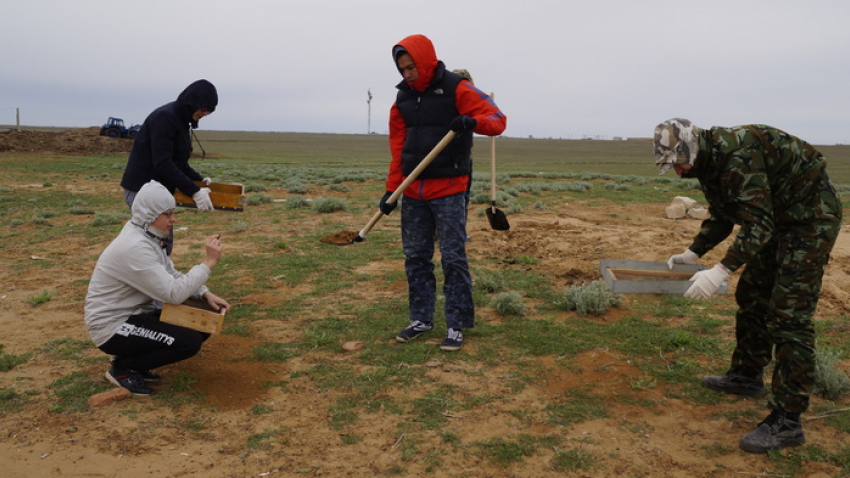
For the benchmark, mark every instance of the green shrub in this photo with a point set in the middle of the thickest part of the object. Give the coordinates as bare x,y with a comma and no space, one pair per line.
593,299
830,382
489,282
257,199
40,298
513,208
296,187
102,219
338,187
509,303
297,202
254,187
10,361
80,210
239,226
326,205
480,198
573,460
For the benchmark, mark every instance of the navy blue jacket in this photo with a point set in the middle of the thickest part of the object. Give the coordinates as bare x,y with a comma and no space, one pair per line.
163,145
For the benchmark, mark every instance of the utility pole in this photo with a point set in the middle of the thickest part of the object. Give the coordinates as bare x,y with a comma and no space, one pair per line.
369,120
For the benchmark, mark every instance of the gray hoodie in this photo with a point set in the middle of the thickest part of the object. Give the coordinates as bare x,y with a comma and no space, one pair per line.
134,271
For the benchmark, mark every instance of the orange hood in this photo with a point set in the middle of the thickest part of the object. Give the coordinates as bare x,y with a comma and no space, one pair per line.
420,48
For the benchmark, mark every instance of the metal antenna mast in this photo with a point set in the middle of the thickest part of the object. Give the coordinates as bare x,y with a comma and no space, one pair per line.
369,120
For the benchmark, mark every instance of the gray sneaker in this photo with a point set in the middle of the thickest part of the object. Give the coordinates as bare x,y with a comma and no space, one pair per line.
415,329
775,432
736,384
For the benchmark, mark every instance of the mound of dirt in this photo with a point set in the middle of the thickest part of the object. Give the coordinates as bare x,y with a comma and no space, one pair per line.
74,142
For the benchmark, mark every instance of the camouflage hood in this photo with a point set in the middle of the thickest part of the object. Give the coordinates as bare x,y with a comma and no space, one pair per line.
675,142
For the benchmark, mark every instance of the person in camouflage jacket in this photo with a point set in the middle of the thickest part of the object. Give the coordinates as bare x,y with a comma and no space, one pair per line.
774,186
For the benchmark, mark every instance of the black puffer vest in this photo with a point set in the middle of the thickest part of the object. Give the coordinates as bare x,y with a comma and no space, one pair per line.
427,115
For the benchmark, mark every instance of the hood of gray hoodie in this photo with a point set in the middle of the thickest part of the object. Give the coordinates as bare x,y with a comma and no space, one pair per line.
152,200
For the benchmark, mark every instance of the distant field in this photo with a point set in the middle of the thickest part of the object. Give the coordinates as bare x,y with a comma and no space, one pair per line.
513,155
632,157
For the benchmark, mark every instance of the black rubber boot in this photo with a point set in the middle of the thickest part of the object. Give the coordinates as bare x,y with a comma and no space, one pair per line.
747,383
778,430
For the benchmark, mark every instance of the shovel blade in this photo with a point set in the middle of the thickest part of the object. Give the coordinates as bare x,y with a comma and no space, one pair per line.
497,219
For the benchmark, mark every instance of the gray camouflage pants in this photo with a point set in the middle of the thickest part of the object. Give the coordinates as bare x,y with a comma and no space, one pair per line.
446,217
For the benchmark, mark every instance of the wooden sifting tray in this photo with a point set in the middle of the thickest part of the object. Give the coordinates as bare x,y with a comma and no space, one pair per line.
637,277
225,197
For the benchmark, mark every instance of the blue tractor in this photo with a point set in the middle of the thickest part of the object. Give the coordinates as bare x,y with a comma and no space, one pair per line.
114,128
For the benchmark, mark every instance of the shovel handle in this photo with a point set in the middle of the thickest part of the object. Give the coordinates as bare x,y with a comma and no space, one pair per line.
408,180
493,168
493,171
375,218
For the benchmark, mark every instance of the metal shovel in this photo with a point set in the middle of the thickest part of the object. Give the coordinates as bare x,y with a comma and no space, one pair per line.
497,218
350,237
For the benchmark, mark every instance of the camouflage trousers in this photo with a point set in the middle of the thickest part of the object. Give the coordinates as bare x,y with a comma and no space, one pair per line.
420,220
777,295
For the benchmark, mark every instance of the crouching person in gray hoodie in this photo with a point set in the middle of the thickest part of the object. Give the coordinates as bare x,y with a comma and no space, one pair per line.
131,275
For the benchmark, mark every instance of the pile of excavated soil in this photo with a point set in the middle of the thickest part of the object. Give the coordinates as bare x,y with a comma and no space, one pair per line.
74,142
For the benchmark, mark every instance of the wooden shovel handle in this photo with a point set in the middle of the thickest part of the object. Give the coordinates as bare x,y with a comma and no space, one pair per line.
493,171
492,168
409,179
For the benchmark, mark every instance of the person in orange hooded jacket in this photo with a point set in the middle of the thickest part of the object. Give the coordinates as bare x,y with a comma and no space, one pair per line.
431,101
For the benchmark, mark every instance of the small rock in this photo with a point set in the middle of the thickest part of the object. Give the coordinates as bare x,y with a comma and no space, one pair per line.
684,201
675,211
352,346
700,213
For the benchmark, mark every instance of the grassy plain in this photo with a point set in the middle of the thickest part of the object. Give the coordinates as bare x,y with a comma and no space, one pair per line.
538,390
513,155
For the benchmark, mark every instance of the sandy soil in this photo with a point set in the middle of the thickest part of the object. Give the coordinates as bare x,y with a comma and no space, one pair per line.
138,438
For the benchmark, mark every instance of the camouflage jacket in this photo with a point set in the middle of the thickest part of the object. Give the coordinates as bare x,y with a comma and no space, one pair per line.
764,180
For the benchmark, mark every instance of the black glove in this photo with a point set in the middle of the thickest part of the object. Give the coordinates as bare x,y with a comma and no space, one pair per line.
386,207
462,123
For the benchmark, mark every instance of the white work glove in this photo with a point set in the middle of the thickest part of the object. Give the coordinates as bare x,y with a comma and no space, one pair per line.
687,257
707,282
207,181
202,199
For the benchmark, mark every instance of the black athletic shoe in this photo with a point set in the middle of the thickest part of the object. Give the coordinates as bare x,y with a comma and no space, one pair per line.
150,376
130,380
736,384
775,432
453,340
415,329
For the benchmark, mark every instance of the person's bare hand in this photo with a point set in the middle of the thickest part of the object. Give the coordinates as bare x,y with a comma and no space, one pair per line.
217,303
214,249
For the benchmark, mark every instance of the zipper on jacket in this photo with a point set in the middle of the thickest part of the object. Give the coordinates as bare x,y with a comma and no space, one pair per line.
419,126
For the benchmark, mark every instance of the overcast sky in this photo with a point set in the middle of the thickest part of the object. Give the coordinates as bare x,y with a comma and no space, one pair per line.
559,68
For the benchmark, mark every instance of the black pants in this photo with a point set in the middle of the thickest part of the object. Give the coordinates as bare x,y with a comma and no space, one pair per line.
145,343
